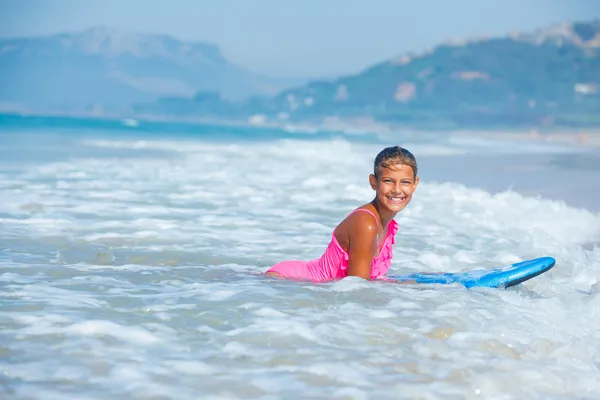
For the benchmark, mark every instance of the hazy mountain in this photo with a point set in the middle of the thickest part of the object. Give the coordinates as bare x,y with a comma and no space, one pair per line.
544,77
550,76
108,67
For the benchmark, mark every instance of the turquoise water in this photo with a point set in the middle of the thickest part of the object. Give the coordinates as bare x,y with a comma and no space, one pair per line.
131,262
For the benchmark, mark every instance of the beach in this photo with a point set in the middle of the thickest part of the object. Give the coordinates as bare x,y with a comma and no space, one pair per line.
573,179
132,262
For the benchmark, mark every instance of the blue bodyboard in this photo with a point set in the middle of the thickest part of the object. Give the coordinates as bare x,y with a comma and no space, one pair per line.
495,278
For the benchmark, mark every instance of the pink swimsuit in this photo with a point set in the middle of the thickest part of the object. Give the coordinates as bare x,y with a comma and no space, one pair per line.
333,264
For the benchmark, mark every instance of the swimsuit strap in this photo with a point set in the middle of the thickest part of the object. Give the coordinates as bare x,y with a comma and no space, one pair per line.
370,212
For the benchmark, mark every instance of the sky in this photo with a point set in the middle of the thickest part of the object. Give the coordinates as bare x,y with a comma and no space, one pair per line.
298,38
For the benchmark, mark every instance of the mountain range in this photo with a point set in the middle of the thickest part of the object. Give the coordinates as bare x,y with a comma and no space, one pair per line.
549,76
546,77
103,67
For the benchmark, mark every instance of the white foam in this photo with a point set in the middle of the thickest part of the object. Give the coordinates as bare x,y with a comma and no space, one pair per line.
142,275
106,328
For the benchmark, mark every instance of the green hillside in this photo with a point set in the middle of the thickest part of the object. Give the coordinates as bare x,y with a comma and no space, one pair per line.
550,77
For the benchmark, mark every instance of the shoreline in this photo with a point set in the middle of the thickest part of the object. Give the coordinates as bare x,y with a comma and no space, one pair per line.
564,177
584,136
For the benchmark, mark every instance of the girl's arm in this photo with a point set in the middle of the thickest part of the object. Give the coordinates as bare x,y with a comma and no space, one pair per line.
362,246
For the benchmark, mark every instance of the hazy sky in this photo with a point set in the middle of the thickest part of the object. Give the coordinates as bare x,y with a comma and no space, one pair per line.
298,37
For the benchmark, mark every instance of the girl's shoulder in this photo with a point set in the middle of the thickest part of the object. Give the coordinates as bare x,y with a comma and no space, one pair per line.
361,219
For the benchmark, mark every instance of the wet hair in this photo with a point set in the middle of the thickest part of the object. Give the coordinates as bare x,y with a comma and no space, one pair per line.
394,155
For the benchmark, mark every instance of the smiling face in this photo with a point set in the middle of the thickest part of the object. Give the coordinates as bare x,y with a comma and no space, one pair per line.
394,186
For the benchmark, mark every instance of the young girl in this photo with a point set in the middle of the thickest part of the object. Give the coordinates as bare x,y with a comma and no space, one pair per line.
361,245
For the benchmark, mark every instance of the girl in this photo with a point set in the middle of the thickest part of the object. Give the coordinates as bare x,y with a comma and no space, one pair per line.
361,245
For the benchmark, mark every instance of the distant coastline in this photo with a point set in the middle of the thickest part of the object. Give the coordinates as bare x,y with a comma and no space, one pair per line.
543,82
132,121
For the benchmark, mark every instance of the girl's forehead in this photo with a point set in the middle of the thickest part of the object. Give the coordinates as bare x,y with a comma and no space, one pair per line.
397,167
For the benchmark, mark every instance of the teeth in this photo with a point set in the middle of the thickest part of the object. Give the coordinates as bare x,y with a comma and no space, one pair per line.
396,199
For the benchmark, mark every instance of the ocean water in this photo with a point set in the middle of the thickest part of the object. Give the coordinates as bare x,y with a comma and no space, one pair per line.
131,261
